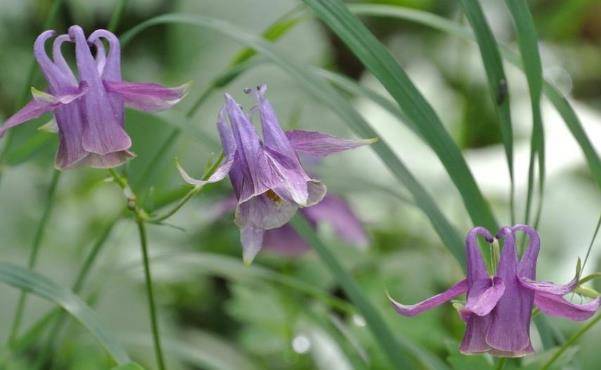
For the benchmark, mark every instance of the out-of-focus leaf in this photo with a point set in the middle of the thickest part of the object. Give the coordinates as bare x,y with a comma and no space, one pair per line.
130,366
45,288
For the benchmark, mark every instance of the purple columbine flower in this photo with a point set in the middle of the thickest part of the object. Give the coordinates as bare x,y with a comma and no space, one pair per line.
89,108
268,179
498,309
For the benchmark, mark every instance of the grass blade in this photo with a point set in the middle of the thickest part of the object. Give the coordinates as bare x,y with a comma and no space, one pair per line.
497,82
528,43
378,60
41,286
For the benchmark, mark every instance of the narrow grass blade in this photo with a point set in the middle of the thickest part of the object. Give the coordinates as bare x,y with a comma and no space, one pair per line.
497,82
378,60
528,43
41,286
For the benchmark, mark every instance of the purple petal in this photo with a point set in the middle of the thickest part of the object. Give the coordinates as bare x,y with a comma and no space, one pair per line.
510,327
287,179
320,144
428,304
100,56
265,211
334,211
548,287
273,135
248,172
484,296
55,76
111,71
252,240
527,265
60,61
476,269
474,339
285,241
555,305
41,103
103,133
147,97
109,160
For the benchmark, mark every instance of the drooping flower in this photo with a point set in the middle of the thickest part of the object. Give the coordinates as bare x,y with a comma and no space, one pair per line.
268,179
89,108
498,309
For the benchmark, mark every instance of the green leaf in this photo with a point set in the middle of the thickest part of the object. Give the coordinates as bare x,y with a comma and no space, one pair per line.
41,286
497,82
326,94
463,362
528,43
130,366
378,60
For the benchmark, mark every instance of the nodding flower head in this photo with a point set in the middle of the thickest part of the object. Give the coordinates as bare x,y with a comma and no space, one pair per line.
89,108
267,176
498,309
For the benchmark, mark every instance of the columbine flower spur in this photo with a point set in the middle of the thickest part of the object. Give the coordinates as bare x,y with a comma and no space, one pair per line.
498,309
268,179
89,109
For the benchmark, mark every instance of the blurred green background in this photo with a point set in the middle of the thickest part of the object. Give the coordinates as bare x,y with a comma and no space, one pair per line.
217,314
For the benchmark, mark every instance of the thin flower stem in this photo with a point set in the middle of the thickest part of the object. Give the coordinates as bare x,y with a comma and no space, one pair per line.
33,257
571,341
117,14
590,246
150,294
501,364
195,190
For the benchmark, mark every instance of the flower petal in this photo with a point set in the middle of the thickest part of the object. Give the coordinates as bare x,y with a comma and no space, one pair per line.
334,211
55,75
273,135
41,103
265,211
474,339
60,61
548,287
320,144
111,66
430,303
510,327
148,97
248,174
252,241
104,131
555,305
484,296
109,160
476,269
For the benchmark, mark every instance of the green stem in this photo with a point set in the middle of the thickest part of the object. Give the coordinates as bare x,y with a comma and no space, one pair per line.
150,294
387,340
501,364
571,341
33,257
195,190
116,17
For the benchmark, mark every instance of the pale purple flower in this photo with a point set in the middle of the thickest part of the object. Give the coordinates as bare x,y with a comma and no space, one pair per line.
498,309
268,179
89,108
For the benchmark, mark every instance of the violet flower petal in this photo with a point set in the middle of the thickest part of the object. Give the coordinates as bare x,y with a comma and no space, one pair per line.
41,103
432,302
510,327
266,211
319,144
285,241
103,133
148,97
252,241
555,305
490,293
